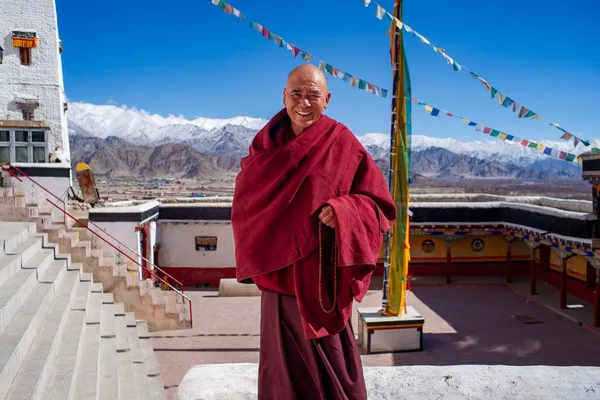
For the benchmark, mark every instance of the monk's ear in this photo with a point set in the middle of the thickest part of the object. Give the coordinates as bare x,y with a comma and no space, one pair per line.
327,98
284,97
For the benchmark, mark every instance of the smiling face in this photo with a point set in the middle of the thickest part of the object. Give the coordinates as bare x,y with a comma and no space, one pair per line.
305,96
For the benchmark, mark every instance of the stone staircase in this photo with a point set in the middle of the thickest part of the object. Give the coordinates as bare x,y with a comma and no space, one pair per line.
61,335
162,309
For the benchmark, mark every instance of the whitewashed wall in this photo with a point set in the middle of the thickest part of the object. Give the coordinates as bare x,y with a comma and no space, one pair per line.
28,192
125,233
43,79
178,248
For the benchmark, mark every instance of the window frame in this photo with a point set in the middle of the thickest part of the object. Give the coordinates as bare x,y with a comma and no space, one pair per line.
12,143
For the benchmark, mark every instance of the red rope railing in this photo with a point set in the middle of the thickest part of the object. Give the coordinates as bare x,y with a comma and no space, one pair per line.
102,238
108,234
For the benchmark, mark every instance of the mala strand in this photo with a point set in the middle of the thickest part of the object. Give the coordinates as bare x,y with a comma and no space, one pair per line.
321,273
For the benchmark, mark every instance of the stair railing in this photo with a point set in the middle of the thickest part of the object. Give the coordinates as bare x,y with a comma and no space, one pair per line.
80,223
104,231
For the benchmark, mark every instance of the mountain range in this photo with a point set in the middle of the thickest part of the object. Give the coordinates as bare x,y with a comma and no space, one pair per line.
123,141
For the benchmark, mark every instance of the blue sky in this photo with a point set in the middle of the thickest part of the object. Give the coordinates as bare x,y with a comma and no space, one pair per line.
187,57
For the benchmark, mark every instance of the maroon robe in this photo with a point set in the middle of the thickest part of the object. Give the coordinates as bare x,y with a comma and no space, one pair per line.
284,183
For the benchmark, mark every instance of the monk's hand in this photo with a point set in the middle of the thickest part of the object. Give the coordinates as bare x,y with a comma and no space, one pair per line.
326,217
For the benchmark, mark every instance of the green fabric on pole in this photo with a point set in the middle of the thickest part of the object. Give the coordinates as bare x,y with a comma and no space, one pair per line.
493,92
494,133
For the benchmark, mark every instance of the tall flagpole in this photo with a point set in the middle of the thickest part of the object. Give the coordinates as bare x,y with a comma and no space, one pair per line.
397,241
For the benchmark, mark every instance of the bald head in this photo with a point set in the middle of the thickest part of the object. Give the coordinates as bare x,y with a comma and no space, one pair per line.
305,96
307,70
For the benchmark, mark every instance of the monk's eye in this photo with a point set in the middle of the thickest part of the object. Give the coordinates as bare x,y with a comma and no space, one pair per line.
296,96
314,97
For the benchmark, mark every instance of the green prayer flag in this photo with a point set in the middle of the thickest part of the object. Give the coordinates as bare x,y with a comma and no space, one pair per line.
570,157
533,145
362,84
494,133
529,114
329,68
493,91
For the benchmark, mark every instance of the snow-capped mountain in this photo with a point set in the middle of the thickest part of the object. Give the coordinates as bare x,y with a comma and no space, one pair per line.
231,137
491,149
141,127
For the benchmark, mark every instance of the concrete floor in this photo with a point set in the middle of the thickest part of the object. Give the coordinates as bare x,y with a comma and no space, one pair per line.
470,322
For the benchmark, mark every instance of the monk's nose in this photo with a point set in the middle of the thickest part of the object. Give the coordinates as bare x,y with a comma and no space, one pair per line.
304,102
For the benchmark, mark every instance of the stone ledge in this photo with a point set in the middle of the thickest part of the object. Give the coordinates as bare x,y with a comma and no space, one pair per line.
230,287
238,382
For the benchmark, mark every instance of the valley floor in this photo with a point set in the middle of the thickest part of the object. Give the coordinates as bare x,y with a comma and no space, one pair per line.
472,321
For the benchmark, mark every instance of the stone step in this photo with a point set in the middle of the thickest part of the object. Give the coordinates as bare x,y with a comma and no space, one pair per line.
142,387
32,378
142,328
137,356
107,370
152,367
27,249
158,297
157,388
130,320
125,374
107,321
15,293
92,307
55,274
24,229
12,236
16,338
108,298
9,265
80,294
40,261
121,334
70,283
85,378
63,369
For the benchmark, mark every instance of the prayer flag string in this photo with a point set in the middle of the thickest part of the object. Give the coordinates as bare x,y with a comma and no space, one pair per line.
503,100
324,66
434,112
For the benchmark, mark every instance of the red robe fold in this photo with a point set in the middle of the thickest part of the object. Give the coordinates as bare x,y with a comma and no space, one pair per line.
282,186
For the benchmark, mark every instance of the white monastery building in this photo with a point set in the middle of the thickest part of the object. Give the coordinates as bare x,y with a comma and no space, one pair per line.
32,101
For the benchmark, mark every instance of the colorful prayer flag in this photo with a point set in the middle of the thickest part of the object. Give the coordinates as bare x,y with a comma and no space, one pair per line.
507,102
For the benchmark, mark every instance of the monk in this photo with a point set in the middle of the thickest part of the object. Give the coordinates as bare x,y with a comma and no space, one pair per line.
310,209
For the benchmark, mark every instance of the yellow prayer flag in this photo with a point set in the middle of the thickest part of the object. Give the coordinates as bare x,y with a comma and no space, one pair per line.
502,136
501,98
466,121
428,108
538,117
540,147
380,11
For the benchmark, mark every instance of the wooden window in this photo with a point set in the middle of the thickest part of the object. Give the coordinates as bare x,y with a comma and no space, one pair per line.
23,146
206,243
25,55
